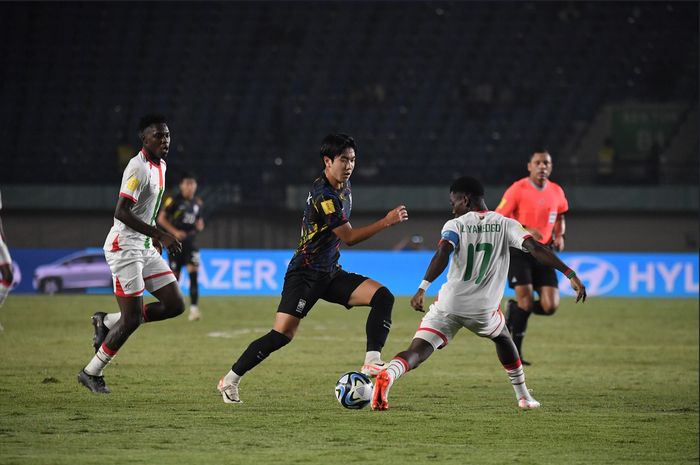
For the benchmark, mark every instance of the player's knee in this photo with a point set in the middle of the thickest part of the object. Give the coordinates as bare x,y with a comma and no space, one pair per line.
549,309
383,300
176,306
525,304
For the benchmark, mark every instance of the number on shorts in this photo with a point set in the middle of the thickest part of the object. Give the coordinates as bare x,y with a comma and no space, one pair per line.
485,247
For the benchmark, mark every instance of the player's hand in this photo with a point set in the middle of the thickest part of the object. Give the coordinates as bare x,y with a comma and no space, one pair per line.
180,235
397,215
6,273
580,289
417,300
170,242
158,246
559,243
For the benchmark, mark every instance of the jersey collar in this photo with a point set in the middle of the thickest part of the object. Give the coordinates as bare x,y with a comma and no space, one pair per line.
149,159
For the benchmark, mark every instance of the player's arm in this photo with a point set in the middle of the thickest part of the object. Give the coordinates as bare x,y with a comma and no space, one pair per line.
124,214
559,231
546,257
437,265
352,236
168,226
5,260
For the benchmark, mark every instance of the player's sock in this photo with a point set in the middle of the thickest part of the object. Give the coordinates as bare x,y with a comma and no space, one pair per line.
194,288
538,310
397,367
111,319
379,319
103,356
517,379
519,319
258,350
232,378
372,356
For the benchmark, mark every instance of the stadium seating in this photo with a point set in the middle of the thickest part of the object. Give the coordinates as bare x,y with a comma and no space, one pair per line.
428,89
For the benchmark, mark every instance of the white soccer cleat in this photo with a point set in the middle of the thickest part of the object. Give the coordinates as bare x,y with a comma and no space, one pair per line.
195,314
229,392
372,369
528,403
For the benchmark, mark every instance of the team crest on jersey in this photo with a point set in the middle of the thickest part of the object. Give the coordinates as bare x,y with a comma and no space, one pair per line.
132,183
328,207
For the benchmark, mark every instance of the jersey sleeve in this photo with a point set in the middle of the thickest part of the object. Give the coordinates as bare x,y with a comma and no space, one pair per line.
515,234
509,202
331,210
133,182
450,233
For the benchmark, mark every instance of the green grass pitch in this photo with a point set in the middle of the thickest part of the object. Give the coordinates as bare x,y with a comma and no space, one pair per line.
618,382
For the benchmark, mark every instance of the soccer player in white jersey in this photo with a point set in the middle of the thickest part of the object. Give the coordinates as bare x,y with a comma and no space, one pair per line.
472,294
132,252
6,275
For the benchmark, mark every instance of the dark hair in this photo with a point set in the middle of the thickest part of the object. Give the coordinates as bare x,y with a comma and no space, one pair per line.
538,149
187,175
150,119
334,144
468,186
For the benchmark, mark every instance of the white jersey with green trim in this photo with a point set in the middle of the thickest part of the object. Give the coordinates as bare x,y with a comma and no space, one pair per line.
143,182
478,268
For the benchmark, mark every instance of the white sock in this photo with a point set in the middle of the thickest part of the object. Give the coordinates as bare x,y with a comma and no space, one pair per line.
232,378
111,319
517,379
372,356
98,362
397,367
194,308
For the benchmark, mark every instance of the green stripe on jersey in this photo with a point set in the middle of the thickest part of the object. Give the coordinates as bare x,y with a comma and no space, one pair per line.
147,243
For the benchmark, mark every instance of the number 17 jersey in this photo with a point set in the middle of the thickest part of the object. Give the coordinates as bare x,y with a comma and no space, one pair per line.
479,265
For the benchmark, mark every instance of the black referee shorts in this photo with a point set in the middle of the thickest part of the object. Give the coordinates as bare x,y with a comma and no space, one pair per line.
303,288
524,269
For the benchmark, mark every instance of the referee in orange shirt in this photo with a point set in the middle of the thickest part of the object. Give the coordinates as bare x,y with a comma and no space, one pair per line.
539,205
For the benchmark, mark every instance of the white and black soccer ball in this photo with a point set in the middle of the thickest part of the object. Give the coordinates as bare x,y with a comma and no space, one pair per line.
354,390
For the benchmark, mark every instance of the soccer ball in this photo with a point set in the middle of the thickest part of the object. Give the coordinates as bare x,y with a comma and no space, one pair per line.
354,390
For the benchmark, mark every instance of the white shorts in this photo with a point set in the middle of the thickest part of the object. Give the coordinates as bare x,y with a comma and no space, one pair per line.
134,271
438,327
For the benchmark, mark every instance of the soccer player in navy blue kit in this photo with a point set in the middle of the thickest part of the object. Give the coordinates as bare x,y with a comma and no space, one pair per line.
314,272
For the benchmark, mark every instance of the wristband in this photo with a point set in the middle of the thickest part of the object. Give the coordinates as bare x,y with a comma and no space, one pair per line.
569,273
424,285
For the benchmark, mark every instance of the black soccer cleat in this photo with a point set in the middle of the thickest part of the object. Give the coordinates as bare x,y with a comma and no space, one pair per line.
101,331
95,383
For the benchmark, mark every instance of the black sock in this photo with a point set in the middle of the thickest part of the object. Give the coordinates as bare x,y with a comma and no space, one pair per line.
258,350
194,288
538,310
379,319
518,319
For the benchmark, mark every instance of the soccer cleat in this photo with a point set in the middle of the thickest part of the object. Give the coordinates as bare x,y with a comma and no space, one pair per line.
101,331
195,314
95,383
380,393
372,369
528,403
229,392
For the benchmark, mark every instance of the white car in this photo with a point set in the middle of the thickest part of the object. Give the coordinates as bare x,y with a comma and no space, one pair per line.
80,270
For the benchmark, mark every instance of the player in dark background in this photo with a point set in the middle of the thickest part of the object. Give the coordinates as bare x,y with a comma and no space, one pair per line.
539,205
181,216
314,272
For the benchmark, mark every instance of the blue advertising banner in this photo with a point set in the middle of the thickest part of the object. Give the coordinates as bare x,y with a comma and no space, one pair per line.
261,272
